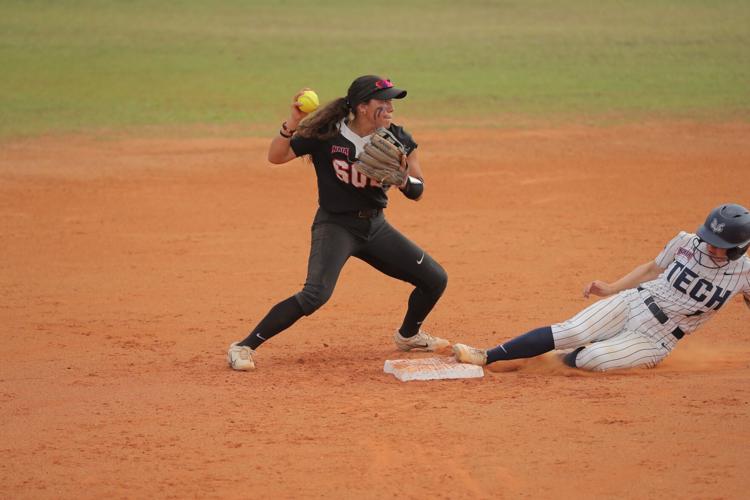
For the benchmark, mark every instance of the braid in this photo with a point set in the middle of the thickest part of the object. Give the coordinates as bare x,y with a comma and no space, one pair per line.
323,124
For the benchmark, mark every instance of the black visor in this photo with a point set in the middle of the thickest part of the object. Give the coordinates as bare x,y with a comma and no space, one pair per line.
369,87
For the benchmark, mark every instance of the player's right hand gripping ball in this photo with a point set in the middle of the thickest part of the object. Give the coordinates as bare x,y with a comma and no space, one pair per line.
383,159
308,101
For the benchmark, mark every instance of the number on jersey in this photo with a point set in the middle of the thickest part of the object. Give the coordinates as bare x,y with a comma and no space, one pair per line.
350,175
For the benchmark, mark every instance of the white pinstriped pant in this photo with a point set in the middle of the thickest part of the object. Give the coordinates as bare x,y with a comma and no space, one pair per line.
617,332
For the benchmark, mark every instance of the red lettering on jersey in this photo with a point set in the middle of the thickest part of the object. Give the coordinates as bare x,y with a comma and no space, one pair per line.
340,149
684,251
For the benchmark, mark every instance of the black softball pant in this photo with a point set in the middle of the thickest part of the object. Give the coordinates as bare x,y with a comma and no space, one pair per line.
337,237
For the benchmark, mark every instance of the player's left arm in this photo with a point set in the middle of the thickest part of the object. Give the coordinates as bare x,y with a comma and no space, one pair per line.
645,272
414,186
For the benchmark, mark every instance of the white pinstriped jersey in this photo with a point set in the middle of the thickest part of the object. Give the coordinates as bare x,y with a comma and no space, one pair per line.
620,331
690,293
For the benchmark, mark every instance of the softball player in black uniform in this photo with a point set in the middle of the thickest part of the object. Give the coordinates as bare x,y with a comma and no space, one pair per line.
350,221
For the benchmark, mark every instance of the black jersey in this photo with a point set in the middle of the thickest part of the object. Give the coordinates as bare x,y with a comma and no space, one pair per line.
342,188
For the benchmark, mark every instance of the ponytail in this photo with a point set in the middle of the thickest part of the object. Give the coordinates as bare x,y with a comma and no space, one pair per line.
324,123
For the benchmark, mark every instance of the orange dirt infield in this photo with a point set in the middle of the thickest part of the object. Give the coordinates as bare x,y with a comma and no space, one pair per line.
129,265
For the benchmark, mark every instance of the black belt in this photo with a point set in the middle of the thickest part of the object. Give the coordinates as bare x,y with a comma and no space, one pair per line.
659,315
365,214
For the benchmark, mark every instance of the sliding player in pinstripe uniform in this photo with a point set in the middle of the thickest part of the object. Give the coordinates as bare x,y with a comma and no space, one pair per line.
649,309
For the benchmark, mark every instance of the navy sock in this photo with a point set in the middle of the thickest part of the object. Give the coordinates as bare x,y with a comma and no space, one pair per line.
279,318
528,345
570,358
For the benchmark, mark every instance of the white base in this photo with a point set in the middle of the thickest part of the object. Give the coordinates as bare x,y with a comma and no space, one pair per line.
431,369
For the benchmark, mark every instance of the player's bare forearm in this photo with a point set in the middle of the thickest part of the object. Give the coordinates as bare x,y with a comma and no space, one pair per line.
280,151
414,169
644,272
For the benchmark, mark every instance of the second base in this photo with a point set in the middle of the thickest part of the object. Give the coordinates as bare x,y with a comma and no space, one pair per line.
431,369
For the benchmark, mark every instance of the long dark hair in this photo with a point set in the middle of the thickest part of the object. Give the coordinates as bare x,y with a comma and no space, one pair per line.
323,124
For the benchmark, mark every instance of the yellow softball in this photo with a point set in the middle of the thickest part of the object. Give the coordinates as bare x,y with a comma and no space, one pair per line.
308,101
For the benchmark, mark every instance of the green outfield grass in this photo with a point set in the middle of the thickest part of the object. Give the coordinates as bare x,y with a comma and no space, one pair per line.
81,65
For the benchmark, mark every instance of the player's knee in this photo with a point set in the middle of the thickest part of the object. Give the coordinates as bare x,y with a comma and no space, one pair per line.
313,297
566,337
439,281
